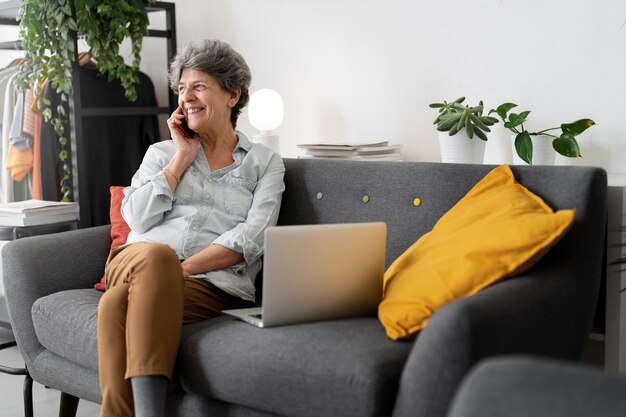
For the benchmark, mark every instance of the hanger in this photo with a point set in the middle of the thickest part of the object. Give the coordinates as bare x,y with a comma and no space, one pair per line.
85,60
17,62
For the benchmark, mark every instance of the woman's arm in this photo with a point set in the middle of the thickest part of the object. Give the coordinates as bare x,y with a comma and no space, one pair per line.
211,258
151,193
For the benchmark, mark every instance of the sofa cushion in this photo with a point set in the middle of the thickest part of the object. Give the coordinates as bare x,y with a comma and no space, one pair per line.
119,228
65,323
498,230
348,367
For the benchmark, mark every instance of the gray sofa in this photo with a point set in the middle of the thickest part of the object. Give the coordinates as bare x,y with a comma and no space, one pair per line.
534,387
333,368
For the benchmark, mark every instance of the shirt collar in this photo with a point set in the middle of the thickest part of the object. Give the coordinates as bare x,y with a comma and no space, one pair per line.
243,142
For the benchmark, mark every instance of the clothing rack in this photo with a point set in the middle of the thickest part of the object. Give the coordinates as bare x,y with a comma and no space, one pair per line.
8,16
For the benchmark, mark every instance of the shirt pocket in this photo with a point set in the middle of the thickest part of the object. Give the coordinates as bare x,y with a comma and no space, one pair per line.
238,195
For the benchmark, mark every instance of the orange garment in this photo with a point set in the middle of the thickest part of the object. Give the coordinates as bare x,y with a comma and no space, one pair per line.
36,185
19,163
37,192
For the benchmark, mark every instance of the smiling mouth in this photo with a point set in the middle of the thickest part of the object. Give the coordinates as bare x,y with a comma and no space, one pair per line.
194,110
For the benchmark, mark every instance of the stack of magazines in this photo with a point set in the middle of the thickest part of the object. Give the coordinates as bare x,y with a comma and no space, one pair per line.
375,151
37,212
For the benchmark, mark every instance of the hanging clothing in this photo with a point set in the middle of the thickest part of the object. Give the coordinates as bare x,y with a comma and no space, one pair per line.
19,160
19,163
113,146
36,185
19,136
35,108
5,76
11,190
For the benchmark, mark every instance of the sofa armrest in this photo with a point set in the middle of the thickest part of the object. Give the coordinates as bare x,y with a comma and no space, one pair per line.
524,387
37,266
528,314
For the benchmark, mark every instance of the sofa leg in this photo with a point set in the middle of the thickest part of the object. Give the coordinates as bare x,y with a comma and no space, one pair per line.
28,395
69,405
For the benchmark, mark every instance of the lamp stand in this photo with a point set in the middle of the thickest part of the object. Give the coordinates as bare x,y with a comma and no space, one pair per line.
271,141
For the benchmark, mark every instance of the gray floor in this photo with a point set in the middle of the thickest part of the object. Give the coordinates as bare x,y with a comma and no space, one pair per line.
45,400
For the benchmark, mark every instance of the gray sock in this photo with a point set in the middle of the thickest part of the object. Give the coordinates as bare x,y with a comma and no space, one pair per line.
149,393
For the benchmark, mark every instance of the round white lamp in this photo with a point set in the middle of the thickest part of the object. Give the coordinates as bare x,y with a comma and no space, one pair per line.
266,112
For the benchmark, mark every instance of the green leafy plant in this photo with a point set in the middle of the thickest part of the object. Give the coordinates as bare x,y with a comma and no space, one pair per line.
454,117
45,30
563,143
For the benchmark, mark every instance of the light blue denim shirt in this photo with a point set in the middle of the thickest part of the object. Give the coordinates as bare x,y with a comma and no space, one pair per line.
230,207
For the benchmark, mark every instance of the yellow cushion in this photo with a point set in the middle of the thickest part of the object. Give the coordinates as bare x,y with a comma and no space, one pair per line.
499,229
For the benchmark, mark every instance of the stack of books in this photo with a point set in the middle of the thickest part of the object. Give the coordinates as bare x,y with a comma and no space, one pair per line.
376,151
37,212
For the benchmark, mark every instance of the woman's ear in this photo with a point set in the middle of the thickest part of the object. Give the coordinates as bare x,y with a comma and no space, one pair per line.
234,97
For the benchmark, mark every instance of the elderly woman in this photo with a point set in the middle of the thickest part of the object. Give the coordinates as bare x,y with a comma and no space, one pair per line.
197,208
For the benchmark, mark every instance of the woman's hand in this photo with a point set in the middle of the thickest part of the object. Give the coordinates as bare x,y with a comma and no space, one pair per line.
186,148
181,139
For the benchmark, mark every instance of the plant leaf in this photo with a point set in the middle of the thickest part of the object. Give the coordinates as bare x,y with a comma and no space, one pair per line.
566,145
479,124
469,128
577,127
447,122
524,147
502,110
516,119
480,134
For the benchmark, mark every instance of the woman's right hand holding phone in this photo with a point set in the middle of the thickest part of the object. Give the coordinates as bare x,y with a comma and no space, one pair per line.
186,146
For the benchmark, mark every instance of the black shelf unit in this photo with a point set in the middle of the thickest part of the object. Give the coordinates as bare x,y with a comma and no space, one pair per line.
8,16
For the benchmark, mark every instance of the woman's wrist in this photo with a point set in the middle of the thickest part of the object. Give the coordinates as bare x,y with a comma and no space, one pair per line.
170,172
177,167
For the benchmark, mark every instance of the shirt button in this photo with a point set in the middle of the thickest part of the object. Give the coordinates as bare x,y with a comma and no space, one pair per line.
417,201
366,199
319,195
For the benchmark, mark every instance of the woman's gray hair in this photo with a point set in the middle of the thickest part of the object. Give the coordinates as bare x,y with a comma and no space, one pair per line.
219,60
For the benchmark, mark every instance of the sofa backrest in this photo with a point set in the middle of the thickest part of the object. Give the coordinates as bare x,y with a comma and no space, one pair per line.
338,191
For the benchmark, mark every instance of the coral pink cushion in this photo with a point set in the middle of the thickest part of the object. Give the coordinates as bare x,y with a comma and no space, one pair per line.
119,228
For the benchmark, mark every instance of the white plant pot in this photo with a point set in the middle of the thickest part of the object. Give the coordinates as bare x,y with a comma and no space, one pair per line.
543,152
460,149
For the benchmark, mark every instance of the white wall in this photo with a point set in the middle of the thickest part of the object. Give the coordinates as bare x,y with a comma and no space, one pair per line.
364,70
8,33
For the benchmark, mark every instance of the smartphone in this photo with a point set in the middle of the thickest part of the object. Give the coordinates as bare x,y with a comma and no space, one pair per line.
185,128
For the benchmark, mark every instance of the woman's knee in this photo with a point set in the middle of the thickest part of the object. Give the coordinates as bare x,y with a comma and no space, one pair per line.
160,262
160,257
113,301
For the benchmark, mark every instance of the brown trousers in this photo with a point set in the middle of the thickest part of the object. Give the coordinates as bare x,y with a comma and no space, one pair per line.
140,318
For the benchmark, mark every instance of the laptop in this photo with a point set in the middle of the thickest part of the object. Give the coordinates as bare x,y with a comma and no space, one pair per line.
319,272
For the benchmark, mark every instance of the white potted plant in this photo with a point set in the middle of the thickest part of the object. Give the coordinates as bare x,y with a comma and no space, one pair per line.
462,131
538,147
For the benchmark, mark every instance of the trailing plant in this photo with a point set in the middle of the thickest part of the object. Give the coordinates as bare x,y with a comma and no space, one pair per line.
45,28
563,142
454,117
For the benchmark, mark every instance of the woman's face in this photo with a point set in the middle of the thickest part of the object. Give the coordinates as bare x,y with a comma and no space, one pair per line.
207,106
